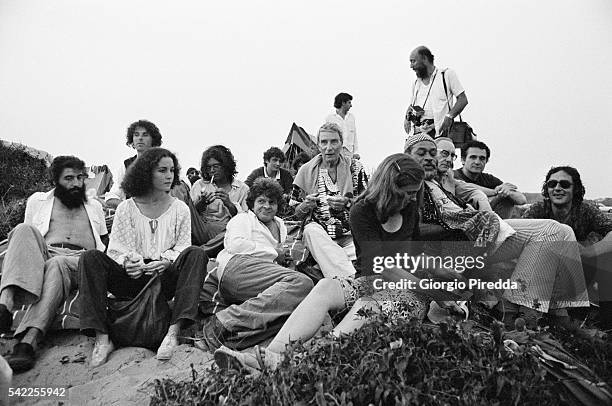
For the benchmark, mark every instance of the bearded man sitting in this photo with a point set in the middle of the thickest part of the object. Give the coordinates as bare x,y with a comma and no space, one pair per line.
41,263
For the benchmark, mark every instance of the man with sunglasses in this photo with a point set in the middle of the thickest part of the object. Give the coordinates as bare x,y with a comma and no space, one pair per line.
550,276
502,196
563,193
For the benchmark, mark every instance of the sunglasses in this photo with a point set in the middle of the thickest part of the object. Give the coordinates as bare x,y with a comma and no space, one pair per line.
565,184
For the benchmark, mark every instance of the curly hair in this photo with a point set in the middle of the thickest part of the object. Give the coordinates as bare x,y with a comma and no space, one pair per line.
62,162
341,98
273,152
151,128
265,187
138,179
384,188
579,189
224,156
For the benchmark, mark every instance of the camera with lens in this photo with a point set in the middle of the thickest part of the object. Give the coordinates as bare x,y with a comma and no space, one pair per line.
415,116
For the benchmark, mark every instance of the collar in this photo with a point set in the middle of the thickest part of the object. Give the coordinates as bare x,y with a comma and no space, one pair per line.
45,195
268,176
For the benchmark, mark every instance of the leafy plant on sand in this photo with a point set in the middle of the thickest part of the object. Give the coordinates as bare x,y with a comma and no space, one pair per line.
22,175
387,362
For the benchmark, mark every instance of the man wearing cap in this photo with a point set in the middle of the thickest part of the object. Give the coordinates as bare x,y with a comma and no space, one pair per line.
343,102
324,188
431,109
502,196
550,276
41,263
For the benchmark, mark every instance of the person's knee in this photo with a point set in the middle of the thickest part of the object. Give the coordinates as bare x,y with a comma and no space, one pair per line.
89,258
302,283
566,232
198,252
561,232
21,229
313,229
326,287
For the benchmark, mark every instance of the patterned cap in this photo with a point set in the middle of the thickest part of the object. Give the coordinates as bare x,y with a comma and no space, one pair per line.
414,138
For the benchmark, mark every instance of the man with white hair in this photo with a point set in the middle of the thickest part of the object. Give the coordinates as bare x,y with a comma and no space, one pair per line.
325,187
465,191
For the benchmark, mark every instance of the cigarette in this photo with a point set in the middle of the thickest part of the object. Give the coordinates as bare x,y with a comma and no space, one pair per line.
212,180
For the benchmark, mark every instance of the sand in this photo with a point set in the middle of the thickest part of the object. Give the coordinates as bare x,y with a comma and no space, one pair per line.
126,379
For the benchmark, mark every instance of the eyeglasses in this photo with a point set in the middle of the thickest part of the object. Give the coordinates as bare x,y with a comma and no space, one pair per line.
213,167
446,154
565,184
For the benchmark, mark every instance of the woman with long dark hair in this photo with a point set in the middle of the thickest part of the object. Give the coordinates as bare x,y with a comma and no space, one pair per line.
151,235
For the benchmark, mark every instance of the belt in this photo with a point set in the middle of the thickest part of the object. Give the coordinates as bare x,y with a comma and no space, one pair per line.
67,245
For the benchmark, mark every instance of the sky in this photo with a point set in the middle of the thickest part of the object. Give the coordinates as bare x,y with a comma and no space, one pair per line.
75,73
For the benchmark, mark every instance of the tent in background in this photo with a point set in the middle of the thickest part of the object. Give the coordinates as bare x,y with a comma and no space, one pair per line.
298,141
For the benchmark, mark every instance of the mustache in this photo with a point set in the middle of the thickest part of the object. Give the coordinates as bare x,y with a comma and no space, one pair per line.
73,197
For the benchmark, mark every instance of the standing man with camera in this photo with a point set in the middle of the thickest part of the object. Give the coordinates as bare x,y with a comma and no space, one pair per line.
431,109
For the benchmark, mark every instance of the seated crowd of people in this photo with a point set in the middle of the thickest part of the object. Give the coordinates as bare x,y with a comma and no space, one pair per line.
256,288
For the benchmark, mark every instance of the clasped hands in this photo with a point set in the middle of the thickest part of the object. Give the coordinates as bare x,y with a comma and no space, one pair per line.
135,267
505,189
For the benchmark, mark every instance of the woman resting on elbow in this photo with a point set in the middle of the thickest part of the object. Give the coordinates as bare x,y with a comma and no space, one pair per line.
151,234
386,212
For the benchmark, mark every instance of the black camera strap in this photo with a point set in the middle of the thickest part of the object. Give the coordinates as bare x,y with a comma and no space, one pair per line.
428,90
446,94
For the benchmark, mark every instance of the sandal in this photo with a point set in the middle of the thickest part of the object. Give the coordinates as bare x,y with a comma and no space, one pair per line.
227,359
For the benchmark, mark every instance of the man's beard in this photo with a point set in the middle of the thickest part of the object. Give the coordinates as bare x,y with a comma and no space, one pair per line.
421,72
71,198
430,174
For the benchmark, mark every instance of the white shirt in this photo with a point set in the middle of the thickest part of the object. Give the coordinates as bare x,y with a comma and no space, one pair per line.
246,235
164,237
39,208
436,104
349,131
277,177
